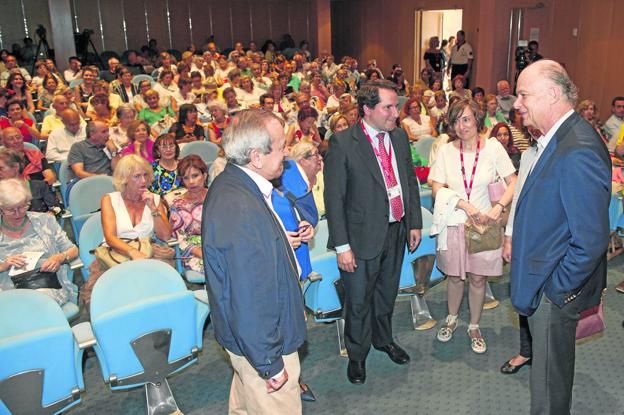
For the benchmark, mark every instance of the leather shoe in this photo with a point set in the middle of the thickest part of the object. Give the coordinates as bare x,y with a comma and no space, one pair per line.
356,372
306,393
508,369
396,353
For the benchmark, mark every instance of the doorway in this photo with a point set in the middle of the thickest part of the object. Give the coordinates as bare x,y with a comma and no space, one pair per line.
429,23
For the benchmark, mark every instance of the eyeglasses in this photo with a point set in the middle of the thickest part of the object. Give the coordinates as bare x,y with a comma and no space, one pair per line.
167,146
17,209
312,155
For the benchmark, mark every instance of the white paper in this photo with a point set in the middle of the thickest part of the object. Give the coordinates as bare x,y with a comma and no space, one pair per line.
31,262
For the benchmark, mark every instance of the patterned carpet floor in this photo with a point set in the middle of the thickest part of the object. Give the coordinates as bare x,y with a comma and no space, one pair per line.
441,379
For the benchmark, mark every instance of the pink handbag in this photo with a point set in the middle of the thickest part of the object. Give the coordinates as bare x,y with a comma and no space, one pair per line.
590,322
496,190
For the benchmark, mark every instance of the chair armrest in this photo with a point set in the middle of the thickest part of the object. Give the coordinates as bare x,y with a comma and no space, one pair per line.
66,214
83,333
201,295
76,263
172,242
56,184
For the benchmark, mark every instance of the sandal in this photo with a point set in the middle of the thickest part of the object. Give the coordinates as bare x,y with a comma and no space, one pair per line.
476,343
446,331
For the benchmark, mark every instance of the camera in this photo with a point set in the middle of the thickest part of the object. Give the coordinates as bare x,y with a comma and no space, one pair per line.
41,31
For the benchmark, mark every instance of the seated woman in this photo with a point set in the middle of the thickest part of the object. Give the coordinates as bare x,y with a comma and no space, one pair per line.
37,166
140,141
220,120
100,108
131,212
187,128
104,88
49,86
305,129
118,132
184,95
519,133
186,211
167,88
139,101
5,96
84,91
166,152
17,119
249,94
492,115
17,83
415,124
588,110
43,198
23,231
502,133
41,71
125,88
159,118
460,91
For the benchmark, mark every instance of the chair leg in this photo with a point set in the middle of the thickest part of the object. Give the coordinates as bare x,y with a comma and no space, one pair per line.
421,316
160,399
342,348
490,301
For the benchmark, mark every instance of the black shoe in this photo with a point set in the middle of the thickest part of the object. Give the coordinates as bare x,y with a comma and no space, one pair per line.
508,369
306,393
396,353
356,372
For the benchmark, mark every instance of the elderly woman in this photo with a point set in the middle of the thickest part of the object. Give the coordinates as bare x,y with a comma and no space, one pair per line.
16,119
37,166
220,120
167,88
186,211
22,231
248,93
415,124
184,95
187,128
43,197
100,108
460,91
492,116
159,118
166,152
124,116
464,168
131,212
140,141
588,110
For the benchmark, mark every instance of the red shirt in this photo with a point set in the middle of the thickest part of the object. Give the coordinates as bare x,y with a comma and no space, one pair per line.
6,123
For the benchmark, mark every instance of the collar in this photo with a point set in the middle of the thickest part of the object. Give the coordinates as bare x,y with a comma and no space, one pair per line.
303,174
545,139
263,184
372,132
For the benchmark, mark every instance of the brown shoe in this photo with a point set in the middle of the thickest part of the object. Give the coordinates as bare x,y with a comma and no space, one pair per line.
620,287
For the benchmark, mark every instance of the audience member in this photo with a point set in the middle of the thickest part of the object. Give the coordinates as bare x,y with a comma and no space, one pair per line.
45,97
505,98
111,74
492,115
61,139
588,110
16,119
140,141
220,120
166,152
502,133
124,88
88,157
416,124
157,117
73,72
187,128
53,120
124,115
10,63
84,91
613,125
21,91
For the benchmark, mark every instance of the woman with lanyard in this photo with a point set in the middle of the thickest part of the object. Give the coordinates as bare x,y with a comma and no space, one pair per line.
464,168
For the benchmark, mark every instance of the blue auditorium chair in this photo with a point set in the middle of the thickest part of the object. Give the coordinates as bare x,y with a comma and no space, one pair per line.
40,355
206,150
91,235
84,199
137,79
148,326
423,147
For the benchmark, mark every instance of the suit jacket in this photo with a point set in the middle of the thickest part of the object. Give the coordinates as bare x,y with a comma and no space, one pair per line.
251,274
356,200
561,223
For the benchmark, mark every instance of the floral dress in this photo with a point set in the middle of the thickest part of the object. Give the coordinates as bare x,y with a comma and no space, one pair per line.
186,223
164,180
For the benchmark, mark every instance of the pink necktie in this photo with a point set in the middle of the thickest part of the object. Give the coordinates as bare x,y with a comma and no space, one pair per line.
396,205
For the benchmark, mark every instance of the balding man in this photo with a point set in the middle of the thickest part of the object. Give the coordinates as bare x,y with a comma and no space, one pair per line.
558,266
88,157
53,121
504,98
111,74
61,139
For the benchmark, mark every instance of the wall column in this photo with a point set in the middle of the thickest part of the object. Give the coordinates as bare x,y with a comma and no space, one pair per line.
62,32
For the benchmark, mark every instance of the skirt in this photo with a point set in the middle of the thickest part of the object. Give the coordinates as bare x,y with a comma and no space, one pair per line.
456,262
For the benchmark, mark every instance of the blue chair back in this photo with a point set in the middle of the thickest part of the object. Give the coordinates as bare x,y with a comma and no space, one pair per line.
34,334
426,198
321,296
427,247
206,150
31,146
64,176
423,147
75,83
84,199
136,80
318,245
91,235
616,210
138,297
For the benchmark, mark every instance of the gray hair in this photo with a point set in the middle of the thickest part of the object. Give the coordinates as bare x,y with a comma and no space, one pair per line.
12,158
125,108
247,132
217,104
555,73
301,150
13,192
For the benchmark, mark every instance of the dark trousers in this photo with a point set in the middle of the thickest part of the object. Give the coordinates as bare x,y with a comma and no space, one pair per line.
552,371
526,341
370,293
459,70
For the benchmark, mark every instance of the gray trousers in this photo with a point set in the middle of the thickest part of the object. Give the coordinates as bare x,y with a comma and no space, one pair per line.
552,372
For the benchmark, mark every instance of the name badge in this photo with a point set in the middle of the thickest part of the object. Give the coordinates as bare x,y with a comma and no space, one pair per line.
394,192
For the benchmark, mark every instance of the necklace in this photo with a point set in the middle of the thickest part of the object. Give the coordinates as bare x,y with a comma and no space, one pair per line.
17,228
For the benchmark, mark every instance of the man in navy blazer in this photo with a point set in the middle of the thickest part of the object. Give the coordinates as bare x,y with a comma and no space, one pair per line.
252,275
561,230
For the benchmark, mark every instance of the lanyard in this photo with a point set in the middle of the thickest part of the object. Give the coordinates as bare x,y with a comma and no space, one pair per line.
373,144
468,187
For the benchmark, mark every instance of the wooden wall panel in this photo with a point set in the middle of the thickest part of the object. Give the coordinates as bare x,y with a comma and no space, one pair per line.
37,12
279,19
88,19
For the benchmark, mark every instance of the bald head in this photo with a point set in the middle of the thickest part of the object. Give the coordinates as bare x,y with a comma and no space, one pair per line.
12,138
71,120
97,133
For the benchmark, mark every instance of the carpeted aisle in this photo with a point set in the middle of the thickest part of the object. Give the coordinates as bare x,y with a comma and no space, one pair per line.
442,379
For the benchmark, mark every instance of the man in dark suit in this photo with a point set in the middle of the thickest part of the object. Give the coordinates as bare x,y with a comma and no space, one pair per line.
252,275
561,230
373,209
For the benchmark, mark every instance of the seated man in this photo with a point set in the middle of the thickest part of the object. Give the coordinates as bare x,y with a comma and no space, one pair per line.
111,74
504,98
73,72
53,121
614,123
36,165
134,64
11,64
61,139
233,105
89,157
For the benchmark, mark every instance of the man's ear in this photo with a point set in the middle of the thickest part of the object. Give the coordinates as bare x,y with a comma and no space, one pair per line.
254,158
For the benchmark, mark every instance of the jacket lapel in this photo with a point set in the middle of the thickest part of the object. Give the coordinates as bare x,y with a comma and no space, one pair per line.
368,155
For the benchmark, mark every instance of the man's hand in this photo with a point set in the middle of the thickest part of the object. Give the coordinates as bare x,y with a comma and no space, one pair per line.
346,261
414,239
507,249
275,384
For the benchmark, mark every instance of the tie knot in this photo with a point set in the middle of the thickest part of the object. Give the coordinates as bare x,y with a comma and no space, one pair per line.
381,136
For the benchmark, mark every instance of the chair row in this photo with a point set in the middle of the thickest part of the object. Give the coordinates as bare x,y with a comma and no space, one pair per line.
145,325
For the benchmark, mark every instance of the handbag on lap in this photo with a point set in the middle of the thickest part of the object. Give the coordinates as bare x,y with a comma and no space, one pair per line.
481,238
108,257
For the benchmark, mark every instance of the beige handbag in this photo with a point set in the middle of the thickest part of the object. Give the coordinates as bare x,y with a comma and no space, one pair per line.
481,238
108,257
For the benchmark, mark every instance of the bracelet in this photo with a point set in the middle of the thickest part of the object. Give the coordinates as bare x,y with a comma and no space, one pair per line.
501,205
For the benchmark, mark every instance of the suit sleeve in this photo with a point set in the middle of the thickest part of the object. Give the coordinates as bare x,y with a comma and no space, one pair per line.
335,174
585,192
249,286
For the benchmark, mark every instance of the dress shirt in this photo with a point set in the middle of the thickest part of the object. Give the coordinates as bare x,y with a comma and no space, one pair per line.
543,141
